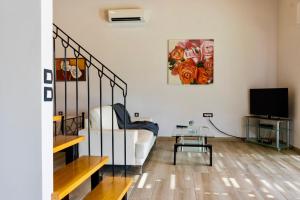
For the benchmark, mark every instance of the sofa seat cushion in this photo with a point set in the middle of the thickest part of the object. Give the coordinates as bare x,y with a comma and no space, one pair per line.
143,144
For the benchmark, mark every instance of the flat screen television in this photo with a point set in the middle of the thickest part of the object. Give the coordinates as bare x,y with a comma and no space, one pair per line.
271,102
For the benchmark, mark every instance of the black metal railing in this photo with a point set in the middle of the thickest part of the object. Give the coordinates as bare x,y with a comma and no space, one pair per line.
67,44
69,126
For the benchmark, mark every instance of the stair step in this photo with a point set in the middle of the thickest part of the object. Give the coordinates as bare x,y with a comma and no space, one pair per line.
57,118
75,173
61,142
110,188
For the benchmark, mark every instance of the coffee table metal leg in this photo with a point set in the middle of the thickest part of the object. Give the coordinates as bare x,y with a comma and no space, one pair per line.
181,140
175,151
178,137
210,155
193,145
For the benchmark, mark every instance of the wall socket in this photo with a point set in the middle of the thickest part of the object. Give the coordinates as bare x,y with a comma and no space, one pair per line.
136,114
208,114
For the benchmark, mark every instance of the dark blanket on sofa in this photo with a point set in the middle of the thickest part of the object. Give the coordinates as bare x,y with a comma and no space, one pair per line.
120,109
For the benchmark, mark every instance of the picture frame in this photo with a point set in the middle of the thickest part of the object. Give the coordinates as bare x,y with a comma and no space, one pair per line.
70,65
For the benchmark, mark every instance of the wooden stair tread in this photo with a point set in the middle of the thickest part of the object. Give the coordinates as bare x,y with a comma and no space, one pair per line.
110,188
57,118
61,142
75,173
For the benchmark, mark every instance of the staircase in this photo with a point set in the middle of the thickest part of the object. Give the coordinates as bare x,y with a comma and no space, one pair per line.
79,169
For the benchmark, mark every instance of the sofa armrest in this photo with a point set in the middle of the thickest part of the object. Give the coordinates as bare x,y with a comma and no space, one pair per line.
131,139
135,119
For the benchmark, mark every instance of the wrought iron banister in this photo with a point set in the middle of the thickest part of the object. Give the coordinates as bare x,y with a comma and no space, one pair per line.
89,57
103,71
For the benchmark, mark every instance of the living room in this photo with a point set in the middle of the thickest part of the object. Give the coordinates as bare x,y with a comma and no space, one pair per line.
256,45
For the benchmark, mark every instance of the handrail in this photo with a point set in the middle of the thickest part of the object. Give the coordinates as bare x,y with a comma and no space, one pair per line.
91,57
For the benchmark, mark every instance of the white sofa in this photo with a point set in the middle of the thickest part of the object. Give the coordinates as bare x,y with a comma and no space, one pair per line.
138,142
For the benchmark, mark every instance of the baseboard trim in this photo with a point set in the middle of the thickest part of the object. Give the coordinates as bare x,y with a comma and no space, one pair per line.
295,149
228,139
165,138
221,139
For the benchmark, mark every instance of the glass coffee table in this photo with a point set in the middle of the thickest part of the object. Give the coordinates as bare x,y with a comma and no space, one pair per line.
201,133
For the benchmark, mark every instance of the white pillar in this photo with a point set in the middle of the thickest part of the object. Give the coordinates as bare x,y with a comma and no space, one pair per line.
26,166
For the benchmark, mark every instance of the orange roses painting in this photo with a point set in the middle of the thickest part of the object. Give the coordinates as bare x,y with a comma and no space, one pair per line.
191,61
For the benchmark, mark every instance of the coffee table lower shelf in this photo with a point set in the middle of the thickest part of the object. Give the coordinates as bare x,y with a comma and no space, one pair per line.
209,146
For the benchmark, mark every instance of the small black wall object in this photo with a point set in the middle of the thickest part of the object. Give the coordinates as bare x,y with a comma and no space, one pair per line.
48,90
48,73
208,114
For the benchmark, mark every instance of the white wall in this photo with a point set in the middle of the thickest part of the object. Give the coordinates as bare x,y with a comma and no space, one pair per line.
25,121
288,59
47,107
245,34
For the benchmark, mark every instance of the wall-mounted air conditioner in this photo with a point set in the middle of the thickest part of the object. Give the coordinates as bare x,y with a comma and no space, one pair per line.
127,15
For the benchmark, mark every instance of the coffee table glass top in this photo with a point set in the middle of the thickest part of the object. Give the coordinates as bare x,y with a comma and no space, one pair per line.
194,131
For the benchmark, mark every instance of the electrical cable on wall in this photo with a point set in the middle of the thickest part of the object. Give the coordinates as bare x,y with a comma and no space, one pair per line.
222,131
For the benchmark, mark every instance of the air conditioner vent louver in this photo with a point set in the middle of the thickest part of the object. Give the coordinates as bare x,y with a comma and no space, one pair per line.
127,15
119,19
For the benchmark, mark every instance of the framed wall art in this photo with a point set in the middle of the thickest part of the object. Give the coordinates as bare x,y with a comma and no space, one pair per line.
70,69
191,62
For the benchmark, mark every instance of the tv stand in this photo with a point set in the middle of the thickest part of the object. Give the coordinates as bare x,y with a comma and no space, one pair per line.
271,132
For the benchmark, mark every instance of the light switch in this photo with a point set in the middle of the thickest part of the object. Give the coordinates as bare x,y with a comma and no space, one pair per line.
48,76
48,94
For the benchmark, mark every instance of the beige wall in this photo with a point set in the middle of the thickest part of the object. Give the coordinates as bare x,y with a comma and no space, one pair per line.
245,34
289,59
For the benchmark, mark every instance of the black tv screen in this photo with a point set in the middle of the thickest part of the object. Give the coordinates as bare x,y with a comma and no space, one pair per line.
269,102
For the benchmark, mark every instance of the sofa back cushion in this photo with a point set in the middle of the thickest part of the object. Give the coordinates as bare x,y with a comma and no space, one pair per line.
106,118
